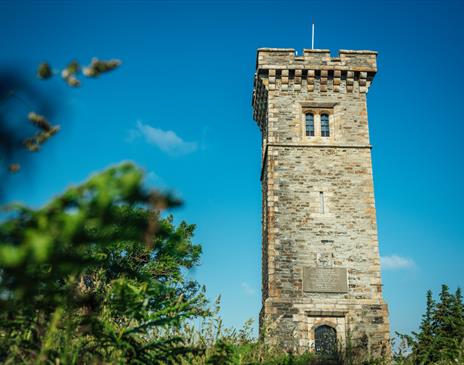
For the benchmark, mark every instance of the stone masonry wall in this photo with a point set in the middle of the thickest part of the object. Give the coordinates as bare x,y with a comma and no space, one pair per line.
296,171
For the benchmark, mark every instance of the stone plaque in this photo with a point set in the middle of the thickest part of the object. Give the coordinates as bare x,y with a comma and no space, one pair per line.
325,280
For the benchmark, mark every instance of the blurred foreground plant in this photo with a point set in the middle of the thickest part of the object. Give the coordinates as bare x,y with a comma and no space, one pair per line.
14,137
97,275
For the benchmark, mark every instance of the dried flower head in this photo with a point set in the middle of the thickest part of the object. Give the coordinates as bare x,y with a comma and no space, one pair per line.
14,167
97,67
68,74
39,121
73,81
44,71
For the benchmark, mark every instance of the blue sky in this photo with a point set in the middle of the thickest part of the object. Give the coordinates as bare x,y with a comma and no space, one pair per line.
180,107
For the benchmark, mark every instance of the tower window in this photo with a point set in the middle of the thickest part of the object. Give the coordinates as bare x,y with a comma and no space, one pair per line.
325,129
309,125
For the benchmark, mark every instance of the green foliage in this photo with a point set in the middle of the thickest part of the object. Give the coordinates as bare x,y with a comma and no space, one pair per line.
97,275
223,353
440,339
233,346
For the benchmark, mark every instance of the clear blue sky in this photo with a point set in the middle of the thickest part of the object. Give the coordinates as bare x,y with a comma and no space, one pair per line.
188,68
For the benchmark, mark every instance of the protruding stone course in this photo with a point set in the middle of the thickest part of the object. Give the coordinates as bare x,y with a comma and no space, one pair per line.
318,200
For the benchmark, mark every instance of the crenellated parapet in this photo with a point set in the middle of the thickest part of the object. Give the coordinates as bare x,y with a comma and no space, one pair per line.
315,72
281,58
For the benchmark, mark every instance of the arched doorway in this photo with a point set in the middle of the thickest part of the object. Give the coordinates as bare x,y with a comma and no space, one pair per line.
325,340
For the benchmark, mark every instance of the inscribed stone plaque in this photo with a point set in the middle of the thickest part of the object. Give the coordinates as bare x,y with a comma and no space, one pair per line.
325,280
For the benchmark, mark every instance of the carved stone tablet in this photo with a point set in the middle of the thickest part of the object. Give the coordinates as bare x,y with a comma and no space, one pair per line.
325,280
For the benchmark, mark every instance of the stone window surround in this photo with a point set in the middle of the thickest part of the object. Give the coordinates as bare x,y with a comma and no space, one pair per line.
317,109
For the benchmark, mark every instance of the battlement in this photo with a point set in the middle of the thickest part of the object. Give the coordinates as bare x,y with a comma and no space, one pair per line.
316,59
315,74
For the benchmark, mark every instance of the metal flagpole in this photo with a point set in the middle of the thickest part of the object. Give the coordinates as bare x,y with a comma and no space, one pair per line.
312,37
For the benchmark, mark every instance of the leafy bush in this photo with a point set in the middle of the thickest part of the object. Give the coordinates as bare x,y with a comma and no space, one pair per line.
97,276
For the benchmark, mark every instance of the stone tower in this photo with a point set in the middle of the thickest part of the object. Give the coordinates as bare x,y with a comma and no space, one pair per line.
321,281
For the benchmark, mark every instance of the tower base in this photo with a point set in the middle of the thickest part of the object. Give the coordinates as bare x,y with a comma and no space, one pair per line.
362,328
